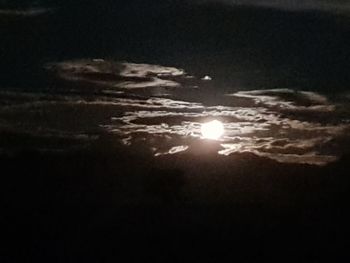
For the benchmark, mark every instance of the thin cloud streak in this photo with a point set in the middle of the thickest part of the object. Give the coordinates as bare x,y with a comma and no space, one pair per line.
25,12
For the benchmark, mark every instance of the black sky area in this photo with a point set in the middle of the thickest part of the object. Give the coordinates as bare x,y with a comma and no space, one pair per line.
249,45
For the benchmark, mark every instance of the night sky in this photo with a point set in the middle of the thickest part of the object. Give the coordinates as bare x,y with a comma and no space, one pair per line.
174,129
298,44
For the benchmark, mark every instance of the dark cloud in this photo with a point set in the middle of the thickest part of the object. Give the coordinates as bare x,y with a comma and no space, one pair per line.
294,5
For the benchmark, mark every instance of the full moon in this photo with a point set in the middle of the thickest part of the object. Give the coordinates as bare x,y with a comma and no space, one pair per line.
212,130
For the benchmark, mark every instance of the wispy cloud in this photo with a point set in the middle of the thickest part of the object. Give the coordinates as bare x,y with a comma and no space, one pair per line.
25,12
284,125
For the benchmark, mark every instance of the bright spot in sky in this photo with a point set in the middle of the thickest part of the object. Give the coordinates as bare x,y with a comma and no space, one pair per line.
206,78
212,130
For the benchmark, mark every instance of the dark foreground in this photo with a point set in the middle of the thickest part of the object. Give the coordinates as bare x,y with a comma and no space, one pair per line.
97,206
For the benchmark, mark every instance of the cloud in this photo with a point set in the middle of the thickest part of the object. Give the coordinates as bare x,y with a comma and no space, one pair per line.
279,124
265,129
174,150
123,75
25,12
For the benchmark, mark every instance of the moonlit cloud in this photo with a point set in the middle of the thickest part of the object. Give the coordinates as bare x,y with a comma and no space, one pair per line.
174,150
280,124
121,75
